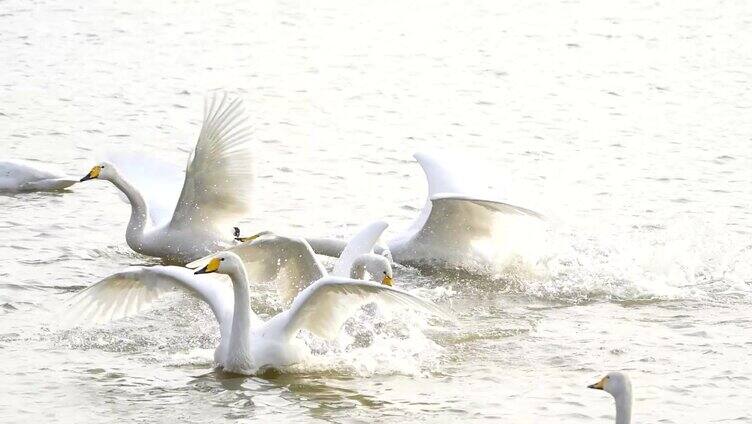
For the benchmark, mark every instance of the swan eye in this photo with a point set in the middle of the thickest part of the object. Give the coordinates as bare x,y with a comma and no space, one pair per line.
384,272
222,259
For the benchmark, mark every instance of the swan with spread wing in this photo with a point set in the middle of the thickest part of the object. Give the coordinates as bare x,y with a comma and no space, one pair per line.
455,226
216,189
247,343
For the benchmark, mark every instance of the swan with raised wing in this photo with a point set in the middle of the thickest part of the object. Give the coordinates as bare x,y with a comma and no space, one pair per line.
216,189
456,227
247,343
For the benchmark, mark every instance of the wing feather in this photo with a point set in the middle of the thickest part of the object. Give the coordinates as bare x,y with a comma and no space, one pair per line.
488,204
130,292
287,261
324,306
460,228
219,176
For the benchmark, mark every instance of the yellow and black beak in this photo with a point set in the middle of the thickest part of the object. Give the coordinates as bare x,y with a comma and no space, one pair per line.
94,173
212,266
387,281
599,385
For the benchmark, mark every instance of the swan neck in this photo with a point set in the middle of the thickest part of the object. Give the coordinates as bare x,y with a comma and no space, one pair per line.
139,210
241,318
623,408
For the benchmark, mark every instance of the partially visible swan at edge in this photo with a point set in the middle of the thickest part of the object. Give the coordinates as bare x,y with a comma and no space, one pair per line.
454,228
21,176
247,344
620,387
216,189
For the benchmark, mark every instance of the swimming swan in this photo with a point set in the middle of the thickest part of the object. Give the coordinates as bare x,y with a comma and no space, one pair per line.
449,227
216,189
619,386
19,176
247,343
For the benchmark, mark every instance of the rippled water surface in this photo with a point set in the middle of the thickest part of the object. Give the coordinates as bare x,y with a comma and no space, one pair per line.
627,124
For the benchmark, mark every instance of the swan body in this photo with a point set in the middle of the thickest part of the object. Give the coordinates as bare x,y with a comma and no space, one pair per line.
216,189
619,386
18,176
454,228
247,343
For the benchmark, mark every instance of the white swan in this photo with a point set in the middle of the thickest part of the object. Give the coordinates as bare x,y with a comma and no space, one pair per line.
454,228
19,176
292,265
247,344
216,189
620,387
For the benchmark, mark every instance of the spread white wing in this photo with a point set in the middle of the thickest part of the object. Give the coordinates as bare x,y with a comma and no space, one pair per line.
129,292
287,261
455,226
362,243
219,176
323,307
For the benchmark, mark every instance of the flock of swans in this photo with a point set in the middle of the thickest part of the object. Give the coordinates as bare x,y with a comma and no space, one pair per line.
194,226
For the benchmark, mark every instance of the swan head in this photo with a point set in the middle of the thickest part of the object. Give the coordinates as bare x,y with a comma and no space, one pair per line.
377,266
221,263
615,383
104,171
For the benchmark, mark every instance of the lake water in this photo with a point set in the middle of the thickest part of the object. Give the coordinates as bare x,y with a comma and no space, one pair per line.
628,124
